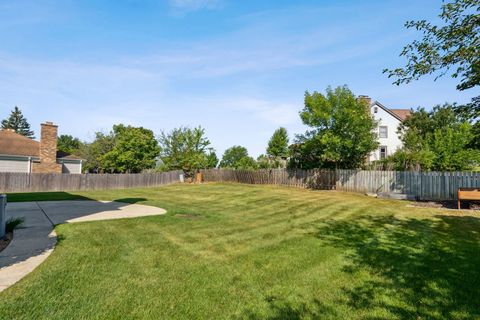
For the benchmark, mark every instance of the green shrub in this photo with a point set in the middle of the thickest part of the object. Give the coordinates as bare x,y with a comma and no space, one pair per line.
13,223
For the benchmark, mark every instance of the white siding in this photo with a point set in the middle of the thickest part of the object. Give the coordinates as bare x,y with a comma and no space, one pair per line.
71,168
392,142
14,166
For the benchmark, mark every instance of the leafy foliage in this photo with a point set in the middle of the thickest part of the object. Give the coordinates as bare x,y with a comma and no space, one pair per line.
17,122
134,150
278,144
454,44
268,162
342,134
93,152
471,112
125,149
237,157
186,149
212,160
68,143
13,223
437,140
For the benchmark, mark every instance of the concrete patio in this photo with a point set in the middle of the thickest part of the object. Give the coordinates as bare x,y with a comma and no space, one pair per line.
34,241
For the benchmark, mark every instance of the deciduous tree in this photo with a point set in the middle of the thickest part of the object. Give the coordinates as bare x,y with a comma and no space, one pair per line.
453,44
237,157
438,140
68,143
134,150
342,131
186,149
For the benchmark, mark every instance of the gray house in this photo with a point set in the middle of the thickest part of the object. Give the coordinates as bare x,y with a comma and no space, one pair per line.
21,154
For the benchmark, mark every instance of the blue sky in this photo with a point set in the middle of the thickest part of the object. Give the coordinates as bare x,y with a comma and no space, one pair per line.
239,68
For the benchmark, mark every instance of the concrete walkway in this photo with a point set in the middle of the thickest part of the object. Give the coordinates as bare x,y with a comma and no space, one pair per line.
35,240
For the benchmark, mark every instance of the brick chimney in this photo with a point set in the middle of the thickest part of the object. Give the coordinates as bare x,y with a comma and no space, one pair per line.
48,143
366,99
48,150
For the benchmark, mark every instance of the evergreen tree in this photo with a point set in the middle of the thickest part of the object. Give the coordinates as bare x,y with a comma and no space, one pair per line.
18,123
278,144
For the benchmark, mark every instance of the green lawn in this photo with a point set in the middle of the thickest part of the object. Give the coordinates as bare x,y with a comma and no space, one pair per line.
228,251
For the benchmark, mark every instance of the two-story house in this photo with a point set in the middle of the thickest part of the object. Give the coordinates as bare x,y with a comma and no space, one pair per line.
388,121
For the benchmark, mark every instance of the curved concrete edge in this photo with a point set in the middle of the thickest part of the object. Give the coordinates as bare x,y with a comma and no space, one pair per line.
30,247
14,273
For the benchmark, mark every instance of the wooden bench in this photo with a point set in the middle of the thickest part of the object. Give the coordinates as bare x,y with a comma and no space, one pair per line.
468,194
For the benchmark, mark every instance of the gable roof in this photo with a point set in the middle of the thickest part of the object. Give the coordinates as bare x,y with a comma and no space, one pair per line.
399,114
402,113
14,144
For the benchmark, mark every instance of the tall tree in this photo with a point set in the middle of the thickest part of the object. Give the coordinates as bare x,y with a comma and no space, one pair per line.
342,132
68,143
134,150
18,123
186,149
453,44
237,157
278,144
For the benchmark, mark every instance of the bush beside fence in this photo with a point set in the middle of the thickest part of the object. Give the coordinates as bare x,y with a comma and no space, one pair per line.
421,185
36,182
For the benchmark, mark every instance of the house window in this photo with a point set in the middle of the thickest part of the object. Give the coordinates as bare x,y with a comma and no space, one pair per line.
375,109
383,152
383,132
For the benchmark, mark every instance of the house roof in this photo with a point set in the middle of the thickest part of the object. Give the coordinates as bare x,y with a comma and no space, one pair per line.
14,144
400,114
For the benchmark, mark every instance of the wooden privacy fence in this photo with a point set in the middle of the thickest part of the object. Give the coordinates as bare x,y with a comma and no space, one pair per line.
421,185
316,178
35,182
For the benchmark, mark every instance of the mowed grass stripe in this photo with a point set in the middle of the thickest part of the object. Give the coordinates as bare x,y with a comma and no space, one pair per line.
257,252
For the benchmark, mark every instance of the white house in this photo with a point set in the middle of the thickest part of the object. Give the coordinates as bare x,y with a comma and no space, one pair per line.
388,122
22,154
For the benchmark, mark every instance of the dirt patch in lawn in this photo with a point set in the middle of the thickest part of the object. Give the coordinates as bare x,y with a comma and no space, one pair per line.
450,204
5,241
188,216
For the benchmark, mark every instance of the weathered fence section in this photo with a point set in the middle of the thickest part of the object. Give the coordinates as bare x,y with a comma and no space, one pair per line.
421,185
36,182
316,178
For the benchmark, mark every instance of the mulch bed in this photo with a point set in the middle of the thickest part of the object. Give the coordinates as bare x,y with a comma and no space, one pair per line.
5,240
451,204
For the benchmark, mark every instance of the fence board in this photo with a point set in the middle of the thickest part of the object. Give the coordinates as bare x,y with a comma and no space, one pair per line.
422,185
35,182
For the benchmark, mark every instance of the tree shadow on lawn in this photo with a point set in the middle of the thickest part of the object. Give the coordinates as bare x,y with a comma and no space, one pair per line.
131,200
419,268
284,310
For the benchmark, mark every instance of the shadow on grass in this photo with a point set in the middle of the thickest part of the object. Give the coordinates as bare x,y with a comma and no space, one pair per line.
283,310
44,196
421,269
131,200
